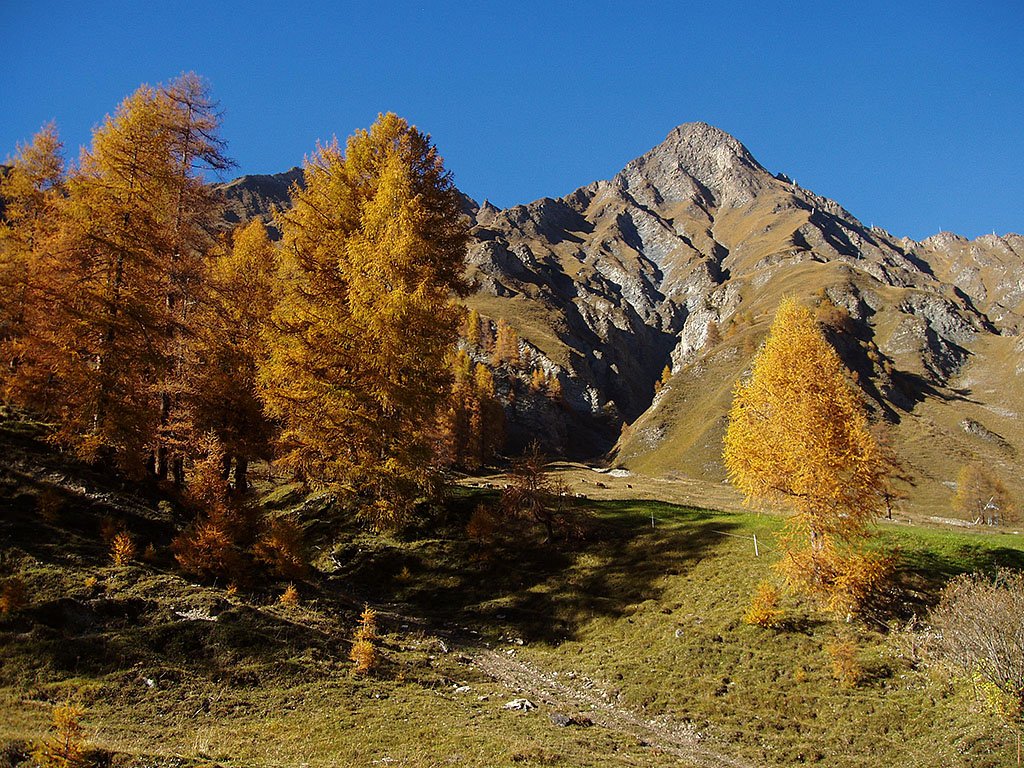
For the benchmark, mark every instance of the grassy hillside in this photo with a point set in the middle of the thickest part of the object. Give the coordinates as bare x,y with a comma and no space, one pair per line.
633,636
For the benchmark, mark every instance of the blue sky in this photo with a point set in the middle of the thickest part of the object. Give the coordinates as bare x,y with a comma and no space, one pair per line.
910,114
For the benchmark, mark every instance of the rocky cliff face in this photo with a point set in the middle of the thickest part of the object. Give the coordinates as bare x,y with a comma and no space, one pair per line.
680,260
257,196
695,238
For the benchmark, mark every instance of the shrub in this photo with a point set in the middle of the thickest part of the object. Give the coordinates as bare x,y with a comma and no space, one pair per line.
367,629
280,547
835,317
12,595
207,549
290,596
363,656
846,667
483,524
980,621
911,641
122,548
364,649
66,749
531,494
764,610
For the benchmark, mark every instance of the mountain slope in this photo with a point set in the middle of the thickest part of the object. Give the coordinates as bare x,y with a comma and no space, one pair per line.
257,196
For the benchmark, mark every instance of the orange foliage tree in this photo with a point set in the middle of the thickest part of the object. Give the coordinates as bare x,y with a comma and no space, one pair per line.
373,253
533,495
125,245
472,426
981,496
191,121
30,192
227,341
506,345
471,328
798,435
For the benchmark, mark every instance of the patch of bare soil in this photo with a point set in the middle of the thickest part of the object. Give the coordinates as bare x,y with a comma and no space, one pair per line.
573,694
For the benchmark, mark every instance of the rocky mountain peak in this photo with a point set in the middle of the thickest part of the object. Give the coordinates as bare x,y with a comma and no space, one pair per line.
256,195
698,139
696,161
944,240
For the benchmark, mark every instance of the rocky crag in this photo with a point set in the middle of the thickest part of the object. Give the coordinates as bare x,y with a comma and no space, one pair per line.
258,196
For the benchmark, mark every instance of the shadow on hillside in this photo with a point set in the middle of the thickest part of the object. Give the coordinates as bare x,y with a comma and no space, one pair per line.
82,616
54,522
145,639
913,388
547,592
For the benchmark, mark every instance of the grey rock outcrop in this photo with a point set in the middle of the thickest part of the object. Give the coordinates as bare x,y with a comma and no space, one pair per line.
258,195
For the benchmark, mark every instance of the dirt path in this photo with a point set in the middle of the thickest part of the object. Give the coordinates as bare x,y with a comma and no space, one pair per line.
572,695
568,694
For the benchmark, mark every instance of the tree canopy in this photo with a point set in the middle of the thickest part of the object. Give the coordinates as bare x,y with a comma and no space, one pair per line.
798,432
124,247
373,256
798,435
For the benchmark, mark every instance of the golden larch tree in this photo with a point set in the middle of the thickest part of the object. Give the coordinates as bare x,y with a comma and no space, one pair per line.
666,375
228,337
456,420
981,496
191,121
97,353
492,413
374,252
538,380
30,192
472,427
128,235
506,345
798,435
471,328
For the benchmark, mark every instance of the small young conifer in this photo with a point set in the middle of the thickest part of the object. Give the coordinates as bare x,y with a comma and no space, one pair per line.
364,654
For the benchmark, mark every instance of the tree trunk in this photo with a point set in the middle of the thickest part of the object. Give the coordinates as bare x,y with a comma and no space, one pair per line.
161,462
241,475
